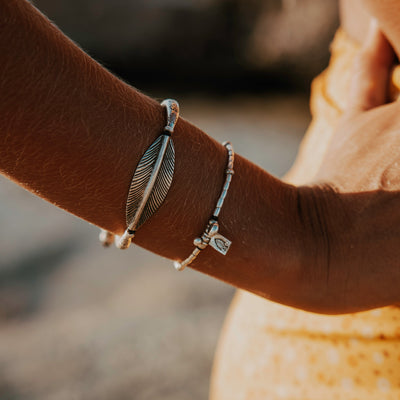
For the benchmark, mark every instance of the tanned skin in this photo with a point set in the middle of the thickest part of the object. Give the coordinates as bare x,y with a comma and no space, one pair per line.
73,134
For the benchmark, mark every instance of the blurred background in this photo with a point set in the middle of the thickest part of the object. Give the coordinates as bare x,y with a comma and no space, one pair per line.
81,322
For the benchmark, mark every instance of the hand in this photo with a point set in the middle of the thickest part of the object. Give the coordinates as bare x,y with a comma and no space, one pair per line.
357,196
363,152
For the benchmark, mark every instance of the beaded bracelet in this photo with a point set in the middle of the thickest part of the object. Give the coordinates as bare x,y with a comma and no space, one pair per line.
210,235
149,187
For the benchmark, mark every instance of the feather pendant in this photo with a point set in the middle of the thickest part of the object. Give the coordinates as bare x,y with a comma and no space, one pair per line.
151,182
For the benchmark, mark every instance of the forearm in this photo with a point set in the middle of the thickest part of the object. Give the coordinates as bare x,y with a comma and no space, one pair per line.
70,130
73,134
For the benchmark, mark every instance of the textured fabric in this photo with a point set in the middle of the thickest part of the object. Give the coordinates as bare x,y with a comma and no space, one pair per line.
268,351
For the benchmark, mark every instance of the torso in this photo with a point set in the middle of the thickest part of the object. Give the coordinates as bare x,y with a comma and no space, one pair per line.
269,351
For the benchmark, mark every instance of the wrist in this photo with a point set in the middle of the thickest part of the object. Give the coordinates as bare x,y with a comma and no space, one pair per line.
328,227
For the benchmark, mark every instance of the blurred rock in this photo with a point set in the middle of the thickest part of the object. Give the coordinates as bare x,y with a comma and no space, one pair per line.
221,44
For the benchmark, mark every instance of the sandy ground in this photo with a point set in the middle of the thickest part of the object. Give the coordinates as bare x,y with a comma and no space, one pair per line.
81,322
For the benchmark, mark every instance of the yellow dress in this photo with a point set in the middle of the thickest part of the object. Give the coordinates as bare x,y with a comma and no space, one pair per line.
268,351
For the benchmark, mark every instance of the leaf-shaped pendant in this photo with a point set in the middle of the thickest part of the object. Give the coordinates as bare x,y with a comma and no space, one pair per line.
152,178
151,182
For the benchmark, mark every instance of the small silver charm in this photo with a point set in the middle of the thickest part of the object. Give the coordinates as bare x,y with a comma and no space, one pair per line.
220,243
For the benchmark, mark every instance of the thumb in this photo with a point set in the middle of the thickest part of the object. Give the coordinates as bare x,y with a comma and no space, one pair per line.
370,74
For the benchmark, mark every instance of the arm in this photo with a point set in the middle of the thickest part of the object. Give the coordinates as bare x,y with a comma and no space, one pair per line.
73,133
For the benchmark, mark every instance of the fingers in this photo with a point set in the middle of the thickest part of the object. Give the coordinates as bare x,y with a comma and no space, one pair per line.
369,86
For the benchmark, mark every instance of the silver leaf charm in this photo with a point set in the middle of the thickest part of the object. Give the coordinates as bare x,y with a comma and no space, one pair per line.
151,182
220,243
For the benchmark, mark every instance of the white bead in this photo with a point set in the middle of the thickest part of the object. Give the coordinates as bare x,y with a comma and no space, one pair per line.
178,266
106,238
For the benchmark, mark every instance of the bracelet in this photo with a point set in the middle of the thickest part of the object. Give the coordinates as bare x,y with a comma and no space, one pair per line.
150,182
210,235
150,185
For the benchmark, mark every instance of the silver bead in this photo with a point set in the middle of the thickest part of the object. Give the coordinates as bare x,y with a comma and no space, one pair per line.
198,242
124,241
178,266
213,229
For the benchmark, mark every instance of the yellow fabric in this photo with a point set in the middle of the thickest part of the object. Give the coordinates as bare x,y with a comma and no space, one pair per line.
269,352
